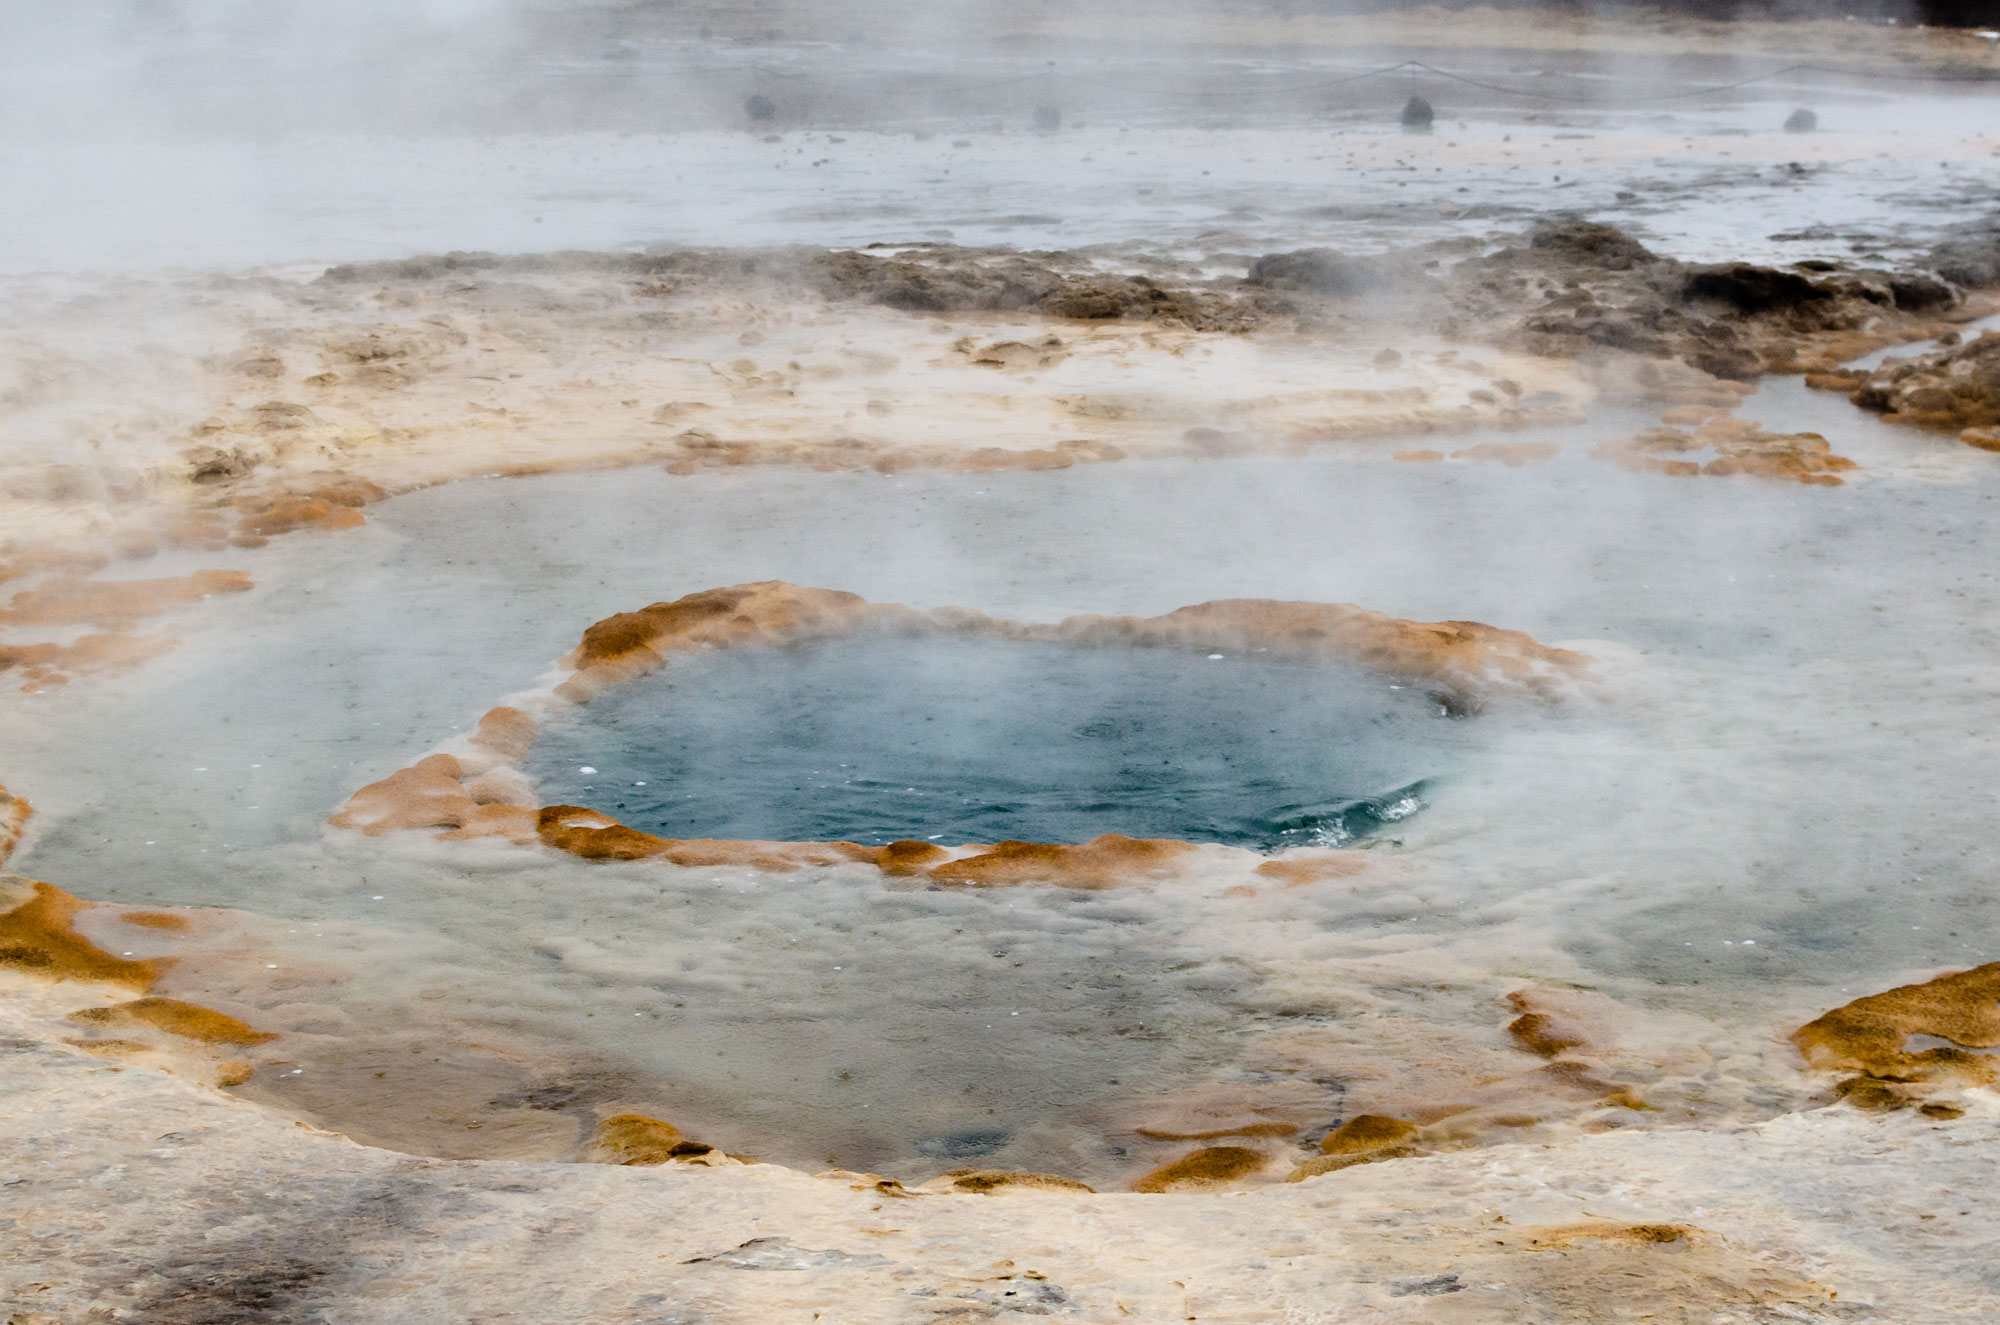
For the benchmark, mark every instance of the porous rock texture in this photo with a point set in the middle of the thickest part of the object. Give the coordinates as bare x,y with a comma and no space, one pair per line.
476,790
1870,1036
1733,446
1576,288
1956,389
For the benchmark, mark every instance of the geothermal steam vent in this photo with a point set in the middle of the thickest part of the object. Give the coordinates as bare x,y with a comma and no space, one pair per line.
778,726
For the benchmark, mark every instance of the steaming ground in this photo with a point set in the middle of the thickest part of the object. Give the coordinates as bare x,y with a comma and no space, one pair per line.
1776,805
1889,170
1778,798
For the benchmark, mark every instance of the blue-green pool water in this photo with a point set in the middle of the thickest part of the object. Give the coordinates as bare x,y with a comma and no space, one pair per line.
954,740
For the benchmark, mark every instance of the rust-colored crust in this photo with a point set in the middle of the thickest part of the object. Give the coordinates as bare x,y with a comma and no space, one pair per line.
166,920
72,600
1306,865
38,937
44,666
1543,1029
1211,1166
481,793
1867,1037
1465,656
1103,862
1360,1140
637,1140
189,1021
1739,445
1511,454
986,1181
291,512
1366,1133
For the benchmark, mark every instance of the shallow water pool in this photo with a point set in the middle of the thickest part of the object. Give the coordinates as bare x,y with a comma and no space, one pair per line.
981,741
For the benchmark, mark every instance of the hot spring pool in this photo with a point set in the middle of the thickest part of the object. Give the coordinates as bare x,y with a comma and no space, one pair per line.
872,740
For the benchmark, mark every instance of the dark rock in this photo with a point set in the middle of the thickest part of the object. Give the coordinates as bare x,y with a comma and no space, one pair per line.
1589,242
1418,113
1321,270
1752,289
1957,387
1920,292
1971,260
760,107
1801,121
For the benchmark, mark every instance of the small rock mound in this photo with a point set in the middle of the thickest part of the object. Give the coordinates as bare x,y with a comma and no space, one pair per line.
1956,388
1318,270
1592,243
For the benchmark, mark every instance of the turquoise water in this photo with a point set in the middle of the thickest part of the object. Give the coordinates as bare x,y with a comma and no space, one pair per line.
981,741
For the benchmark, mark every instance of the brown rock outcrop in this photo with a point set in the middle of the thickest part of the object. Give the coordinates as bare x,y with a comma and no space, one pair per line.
1869,1037
638,1140
1955,389
1547,1026
1576,289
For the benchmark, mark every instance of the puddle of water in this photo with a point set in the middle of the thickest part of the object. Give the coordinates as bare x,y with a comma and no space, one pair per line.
984,741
